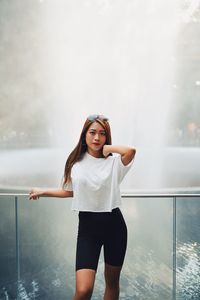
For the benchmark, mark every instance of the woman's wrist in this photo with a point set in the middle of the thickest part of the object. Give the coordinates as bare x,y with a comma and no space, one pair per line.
106,150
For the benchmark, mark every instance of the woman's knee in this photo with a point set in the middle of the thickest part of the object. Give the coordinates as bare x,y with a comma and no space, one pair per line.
112,284
84,292
84,283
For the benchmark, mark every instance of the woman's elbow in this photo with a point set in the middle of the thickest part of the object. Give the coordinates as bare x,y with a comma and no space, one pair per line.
131,154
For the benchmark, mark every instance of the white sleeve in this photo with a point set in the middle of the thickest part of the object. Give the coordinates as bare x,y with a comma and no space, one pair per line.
68,186
121,169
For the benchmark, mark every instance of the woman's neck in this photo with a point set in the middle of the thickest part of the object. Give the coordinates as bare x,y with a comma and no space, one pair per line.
96,154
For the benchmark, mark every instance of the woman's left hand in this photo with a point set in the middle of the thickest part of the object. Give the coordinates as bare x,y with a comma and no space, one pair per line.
106,150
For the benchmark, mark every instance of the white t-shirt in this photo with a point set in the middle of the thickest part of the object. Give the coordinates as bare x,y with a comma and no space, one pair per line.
95,183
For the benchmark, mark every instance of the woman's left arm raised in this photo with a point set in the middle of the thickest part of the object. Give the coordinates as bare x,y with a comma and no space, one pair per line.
127,153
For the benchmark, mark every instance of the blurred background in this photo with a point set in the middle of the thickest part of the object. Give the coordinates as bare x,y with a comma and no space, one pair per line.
136,62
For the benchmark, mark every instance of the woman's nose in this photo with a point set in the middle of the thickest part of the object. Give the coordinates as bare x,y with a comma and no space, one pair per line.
96,137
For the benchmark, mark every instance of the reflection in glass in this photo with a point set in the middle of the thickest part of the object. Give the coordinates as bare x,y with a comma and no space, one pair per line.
188,248
7,248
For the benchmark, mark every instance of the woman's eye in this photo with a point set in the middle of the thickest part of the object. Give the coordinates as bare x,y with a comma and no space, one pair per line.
103,133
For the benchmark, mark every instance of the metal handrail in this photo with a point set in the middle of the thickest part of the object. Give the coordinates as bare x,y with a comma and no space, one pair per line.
129,195
174,196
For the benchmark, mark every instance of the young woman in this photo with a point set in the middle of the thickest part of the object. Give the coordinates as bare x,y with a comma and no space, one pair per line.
92,177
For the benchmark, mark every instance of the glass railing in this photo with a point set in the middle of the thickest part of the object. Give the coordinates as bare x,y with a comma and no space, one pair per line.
38,240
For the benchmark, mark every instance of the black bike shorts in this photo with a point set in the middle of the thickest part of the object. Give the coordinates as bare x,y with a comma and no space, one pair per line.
97,229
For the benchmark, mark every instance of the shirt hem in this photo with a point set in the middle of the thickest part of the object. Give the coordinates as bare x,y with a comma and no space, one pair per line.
92,210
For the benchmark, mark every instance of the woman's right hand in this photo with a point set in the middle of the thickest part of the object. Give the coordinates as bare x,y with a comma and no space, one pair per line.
35,194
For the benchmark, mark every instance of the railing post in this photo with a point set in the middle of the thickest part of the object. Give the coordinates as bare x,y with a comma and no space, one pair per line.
17,246
174,249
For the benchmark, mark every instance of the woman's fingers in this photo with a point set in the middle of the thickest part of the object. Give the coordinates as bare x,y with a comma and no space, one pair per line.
105,151
34,195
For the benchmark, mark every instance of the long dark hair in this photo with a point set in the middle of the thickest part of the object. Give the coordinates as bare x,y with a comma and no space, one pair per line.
81,148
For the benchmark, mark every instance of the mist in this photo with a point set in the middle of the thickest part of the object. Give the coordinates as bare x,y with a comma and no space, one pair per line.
63,60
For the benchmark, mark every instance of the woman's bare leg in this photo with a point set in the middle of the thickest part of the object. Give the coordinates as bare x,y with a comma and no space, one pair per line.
112,276
85,279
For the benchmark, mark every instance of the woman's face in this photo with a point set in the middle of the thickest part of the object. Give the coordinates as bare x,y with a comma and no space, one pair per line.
95,139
